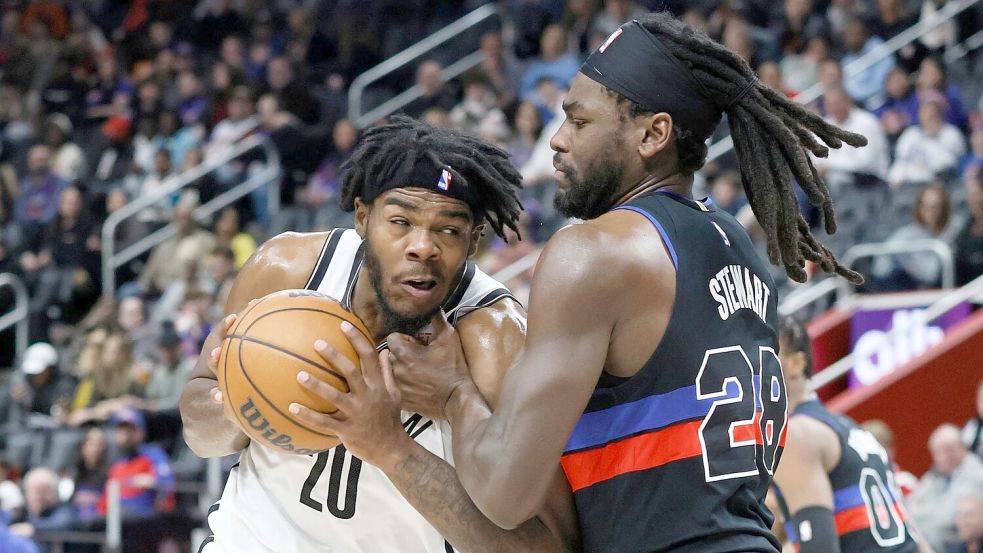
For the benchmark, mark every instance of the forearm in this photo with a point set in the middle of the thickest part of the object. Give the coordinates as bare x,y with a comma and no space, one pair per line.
208,432
432,487
482,470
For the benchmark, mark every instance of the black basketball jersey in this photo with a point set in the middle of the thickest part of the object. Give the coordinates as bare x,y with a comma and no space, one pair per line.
679,457
867,504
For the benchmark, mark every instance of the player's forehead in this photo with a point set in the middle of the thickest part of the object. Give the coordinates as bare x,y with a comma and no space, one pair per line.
423,202
587,96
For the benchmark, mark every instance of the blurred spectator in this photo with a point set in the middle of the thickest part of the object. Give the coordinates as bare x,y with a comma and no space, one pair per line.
435,93
900,106
941,36
500,67
893,17
11,543
929,149
223,276
553,63
737,37
111,379
130,229
169,258
932,78
169,375
528,126
86,364
869,83
771,74
153,185
90,474
318,205
11,497
801,67
614,15
955,473
176,138
969,243
932,221
969,525
44,510
131,318
799,25
854,166
192,322
191,104
37,203
727,192
143,470
111,151
282,82
973,429
974,161
40,388
905,480
478,112
238,122
229,234
68,160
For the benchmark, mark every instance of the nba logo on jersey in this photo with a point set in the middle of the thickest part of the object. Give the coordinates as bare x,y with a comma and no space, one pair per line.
610,39
445,180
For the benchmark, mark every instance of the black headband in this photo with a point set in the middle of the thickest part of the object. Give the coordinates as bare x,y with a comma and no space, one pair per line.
433,176
634,63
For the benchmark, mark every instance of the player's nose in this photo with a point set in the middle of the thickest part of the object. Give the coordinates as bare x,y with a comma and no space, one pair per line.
421,245
558,142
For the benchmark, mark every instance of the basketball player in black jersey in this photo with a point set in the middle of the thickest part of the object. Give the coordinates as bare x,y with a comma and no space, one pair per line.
650,367
421,197
835,487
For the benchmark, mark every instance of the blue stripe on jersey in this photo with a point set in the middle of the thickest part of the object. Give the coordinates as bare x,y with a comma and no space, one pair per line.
662,231
847,498
650,413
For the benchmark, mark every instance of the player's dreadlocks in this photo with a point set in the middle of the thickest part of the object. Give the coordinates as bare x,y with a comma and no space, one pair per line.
772,135
387,154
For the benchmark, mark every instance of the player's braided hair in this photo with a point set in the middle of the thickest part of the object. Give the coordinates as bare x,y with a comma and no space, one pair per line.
772,136
794,336
388,152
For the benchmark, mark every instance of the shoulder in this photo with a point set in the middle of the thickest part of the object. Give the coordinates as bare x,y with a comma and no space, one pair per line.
813,437
282,262
504,315
579,251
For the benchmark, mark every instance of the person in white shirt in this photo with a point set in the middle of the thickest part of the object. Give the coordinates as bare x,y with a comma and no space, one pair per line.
931,148
848,163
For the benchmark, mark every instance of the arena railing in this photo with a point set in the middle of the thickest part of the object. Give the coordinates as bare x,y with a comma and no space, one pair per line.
902,39
356,91
17,317
268,176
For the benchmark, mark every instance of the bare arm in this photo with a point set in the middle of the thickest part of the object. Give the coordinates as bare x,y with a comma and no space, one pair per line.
282,262
490,338
802,474
367,421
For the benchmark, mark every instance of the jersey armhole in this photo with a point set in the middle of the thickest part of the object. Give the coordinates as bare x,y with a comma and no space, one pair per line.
324,259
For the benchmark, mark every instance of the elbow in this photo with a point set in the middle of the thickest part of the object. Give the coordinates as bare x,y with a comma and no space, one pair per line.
506,506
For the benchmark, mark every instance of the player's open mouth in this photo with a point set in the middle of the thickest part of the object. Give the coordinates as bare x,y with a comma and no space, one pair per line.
419,286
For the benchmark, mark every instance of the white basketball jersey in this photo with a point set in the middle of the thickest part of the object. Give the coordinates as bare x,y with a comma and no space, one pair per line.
332,502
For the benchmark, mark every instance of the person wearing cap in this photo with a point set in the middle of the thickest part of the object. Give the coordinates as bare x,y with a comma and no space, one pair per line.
142,469
40,388
68,159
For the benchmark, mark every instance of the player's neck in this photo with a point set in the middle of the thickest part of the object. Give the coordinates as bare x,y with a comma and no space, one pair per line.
674,182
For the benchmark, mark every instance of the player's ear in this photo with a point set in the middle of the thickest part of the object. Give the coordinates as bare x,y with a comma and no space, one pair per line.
362,210
658,134
476,233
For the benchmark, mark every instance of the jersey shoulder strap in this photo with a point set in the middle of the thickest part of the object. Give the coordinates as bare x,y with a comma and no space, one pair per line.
474,291
337,265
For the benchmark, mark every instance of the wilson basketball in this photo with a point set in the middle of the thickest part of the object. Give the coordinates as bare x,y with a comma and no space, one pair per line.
268,345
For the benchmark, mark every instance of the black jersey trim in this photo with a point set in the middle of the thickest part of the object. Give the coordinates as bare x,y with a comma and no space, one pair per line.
462,286
327,252
205,542
346,299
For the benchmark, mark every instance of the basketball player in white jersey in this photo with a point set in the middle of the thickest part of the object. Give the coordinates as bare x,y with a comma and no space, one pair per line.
421,197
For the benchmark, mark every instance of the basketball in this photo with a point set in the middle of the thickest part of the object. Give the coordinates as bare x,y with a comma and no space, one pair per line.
270,342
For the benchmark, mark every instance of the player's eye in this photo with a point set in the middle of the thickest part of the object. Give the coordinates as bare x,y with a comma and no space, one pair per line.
450,231
579,123
401,222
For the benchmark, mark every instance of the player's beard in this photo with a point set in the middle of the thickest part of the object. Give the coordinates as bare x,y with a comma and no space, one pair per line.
392,320
594,194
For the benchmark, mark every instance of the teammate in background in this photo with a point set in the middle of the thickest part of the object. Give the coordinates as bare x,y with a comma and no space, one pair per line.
835,486
650,362
421,198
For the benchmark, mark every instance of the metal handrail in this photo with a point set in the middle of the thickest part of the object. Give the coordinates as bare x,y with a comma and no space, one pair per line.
270,174
865,62
932,312
518,266
807,295
17,316
452,30
960,51
878,249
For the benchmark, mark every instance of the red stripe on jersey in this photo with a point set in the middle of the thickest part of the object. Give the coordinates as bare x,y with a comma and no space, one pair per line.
852,519
645,451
